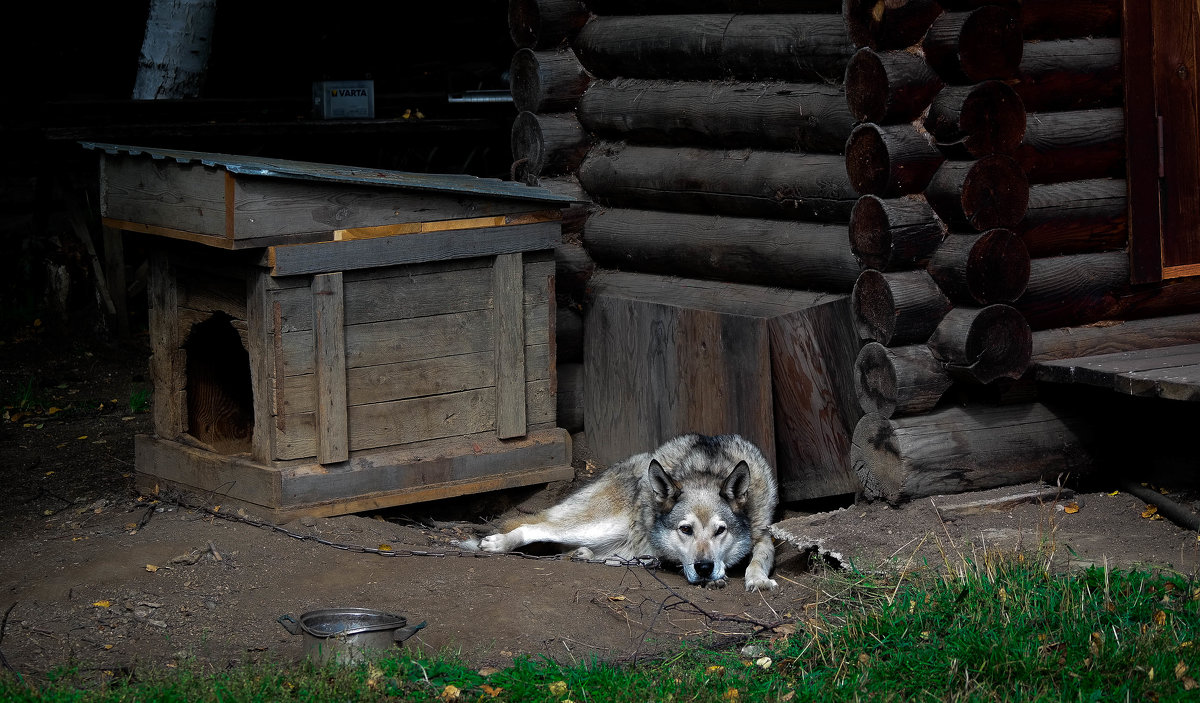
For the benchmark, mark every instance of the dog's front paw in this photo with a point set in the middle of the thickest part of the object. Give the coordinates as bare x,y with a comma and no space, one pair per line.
494,543
715,583
760,583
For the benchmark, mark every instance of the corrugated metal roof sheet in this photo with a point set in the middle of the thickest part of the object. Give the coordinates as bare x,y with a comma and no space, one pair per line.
305,170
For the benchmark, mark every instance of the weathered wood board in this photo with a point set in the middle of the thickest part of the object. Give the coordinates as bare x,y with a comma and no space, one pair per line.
667,356
1166,372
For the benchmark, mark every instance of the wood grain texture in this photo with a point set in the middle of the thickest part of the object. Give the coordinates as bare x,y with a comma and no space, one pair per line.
1076,217
966,449
509,319
546,81
1109,337
811,117
708,46
329,332
897,381
166,343
889,87
1171,372
776,184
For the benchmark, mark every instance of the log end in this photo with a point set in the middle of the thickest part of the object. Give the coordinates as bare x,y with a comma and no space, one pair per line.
528,144
984,344
995,193
524,80
867,86
875,458
890,235
998,269
874,307
875,382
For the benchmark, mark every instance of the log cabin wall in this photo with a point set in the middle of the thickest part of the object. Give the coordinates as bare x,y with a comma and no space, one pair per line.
957,166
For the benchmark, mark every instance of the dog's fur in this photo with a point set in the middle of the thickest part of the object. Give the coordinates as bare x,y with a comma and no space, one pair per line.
704,502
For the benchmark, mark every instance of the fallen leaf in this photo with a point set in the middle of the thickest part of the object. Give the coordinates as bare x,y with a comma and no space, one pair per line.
82,437
102,603
1149,511
53,409
732,695
108,646
1071,508
1180,670
558,688
151,568
763,662
492,691
1160,618
1115,493
488,671
616,597
385,547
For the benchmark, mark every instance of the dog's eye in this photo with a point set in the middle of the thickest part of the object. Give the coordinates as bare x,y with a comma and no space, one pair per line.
720,530
685,529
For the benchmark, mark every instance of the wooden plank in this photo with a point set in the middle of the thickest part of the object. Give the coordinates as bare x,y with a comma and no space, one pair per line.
114,274
443,225
414,419
1109,337
261,349
412,379
218,241
214,475
816,409
265,207
415,248
475,460
179,197
509,321
167,359
1176,383
330,365
200,291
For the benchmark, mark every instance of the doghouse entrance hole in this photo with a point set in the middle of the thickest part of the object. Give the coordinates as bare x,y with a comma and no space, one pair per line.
220,397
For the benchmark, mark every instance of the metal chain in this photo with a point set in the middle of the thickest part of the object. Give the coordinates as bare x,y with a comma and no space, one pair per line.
646,561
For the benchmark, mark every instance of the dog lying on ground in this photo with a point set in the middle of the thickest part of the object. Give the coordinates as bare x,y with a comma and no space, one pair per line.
704,502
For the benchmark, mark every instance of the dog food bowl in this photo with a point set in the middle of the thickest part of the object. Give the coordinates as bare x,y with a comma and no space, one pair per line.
348,635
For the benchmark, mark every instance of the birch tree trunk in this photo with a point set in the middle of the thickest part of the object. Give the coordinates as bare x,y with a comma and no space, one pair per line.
175,49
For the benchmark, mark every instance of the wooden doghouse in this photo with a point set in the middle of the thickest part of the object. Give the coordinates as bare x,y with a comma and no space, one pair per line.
331,339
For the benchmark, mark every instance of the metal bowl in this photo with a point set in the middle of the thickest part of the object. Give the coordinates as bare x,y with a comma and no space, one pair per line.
348,635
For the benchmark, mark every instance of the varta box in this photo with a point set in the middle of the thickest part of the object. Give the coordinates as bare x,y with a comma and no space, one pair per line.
339,100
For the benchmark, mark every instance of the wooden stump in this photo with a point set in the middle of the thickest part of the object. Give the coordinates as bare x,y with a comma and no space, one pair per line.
968,449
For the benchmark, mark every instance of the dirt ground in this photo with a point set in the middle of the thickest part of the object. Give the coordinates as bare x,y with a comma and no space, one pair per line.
97,577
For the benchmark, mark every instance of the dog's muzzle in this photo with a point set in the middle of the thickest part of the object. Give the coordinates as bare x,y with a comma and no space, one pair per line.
704,569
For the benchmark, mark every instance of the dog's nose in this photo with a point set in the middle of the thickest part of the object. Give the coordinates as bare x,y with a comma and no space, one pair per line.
704,569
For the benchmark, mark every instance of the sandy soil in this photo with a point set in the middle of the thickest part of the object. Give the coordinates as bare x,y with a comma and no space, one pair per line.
95,576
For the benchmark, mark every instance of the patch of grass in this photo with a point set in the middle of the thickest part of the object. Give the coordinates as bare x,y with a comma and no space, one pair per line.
139,400
1002,628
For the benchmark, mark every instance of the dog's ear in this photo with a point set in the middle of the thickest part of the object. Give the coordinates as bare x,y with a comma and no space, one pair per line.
665,488
737,484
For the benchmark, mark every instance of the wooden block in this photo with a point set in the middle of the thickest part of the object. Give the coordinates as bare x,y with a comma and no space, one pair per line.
667,356
509,321
330,365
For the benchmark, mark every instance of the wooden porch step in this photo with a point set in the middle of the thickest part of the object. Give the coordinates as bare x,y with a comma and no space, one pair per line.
1165,372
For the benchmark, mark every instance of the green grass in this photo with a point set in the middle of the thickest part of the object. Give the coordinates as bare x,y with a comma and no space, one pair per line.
1002,629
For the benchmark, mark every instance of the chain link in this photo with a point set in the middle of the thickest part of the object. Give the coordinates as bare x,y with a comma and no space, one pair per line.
646,562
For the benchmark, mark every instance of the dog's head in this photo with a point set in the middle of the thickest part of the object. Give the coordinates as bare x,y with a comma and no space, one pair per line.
701,522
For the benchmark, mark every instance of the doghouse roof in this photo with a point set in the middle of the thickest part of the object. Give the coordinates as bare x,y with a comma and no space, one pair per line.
305,170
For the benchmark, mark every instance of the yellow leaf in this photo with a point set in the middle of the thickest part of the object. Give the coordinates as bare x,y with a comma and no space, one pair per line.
49,473
108,646
385,547
82,437
451,693
492,691
732,695
53,409
716,670
1071,508
102,603
1180,670
1115,493
558,688
616,597
131,525
1149,511
151,568
1160,618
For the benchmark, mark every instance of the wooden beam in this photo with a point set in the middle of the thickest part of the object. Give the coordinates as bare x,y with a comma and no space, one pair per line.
323,257
509,320
342,235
